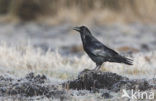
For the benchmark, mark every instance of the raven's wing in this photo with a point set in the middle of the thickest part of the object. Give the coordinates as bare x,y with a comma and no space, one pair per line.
104,51
98,49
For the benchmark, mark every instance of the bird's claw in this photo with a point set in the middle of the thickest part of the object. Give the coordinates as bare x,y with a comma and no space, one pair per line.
96,69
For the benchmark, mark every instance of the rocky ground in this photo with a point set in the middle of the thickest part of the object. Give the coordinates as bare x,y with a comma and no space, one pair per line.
104,83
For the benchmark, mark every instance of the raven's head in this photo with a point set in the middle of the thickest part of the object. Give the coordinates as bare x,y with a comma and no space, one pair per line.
82,29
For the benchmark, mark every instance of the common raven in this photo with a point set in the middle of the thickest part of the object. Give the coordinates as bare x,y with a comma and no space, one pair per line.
97,51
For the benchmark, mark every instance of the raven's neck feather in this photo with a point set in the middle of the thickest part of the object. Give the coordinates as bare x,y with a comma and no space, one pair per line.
86,38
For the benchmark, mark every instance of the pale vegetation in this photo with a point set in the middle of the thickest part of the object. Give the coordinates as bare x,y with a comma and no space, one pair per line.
20,60
91,11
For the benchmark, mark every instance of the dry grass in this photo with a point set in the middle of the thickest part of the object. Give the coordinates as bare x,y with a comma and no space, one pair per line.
20,60
95,11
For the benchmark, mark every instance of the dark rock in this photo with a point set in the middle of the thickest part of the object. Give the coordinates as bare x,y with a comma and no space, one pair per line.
5,78
37,79
29,86
89,80
106,95
140,84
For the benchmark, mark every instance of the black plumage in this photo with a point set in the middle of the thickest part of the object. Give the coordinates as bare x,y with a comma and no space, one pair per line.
97,51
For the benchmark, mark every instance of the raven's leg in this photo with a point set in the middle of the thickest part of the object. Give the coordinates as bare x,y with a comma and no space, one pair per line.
97,67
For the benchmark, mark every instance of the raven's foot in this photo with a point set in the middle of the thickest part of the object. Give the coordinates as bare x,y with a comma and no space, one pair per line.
97,68
96,71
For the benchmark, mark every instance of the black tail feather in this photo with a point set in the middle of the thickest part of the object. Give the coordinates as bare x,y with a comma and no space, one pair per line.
125,60
128,61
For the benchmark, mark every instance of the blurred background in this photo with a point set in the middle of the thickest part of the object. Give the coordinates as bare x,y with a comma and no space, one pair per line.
91,11
126,25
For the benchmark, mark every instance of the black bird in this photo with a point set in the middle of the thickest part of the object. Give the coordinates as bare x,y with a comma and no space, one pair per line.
97,51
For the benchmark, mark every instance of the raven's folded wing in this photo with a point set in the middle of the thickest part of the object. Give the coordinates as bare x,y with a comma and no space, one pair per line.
103,51
96,48
99,52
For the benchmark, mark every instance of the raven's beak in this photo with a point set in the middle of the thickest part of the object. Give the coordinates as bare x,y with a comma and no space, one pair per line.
76,28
